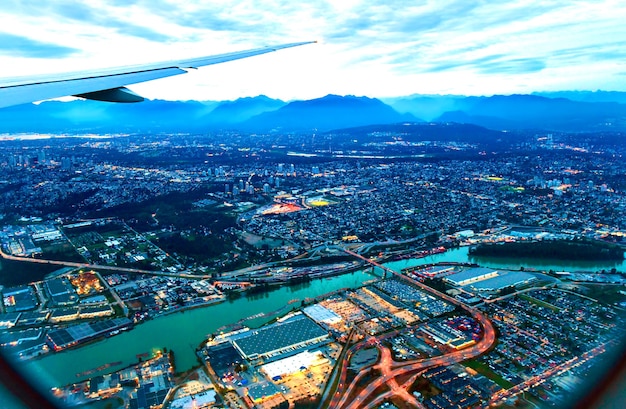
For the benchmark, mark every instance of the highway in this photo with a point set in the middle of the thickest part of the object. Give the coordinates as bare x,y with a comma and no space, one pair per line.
338,371
505,394
386,385
100,267
390,370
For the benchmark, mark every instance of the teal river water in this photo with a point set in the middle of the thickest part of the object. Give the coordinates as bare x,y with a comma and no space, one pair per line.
182,332
461,255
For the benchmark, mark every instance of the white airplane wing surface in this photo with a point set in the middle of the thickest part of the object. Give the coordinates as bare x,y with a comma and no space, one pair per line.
108,84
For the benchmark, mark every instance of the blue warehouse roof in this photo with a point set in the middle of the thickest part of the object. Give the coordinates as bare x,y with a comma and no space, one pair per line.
279,336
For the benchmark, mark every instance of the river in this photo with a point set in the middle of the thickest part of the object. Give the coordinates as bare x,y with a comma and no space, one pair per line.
182,332
461,255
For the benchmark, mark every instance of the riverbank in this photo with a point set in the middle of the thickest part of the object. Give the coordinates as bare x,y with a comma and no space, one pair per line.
579,250
183,332
257,289
180,332
461,255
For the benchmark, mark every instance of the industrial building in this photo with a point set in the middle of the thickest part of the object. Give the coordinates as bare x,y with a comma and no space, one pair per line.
204,399
65,338
95,311
322,314
447,336
470,276
261,391
64,314
61,291
435,271
33,318
9,320
19,299
293,364
503,280
21,337
223,358
292,333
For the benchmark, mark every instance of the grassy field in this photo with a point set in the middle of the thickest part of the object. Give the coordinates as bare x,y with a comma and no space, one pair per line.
258,241
61,252
484,370
14,273
535,301
606,293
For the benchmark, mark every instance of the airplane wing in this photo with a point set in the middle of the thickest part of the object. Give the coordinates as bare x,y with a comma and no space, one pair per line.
108,84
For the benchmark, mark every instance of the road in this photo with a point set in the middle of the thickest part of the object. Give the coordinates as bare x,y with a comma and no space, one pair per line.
390,370
331,385
115,295
354,396
505,394
100,267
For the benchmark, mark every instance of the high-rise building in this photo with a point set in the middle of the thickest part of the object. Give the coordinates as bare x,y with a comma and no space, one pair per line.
66,163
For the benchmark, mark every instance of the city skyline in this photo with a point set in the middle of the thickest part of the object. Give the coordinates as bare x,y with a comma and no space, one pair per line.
368,49
108,238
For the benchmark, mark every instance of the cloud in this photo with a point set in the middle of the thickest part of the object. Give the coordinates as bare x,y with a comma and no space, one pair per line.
250,19
134,30
511,66
492,64
399,22
76,11
18,46
404,36
609,50
506,38
438,44
209,20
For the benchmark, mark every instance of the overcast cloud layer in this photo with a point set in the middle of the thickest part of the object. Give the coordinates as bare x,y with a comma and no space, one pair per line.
366,47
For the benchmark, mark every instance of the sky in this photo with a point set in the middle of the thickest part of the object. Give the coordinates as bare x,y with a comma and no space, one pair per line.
375,48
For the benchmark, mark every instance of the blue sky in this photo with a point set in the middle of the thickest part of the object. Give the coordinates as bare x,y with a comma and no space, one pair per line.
366,47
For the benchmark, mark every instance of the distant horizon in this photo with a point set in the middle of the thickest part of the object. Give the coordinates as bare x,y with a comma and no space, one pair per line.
556,111
382,98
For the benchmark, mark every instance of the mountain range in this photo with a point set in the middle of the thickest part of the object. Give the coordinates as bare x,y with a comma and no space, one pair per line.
514,112
571,111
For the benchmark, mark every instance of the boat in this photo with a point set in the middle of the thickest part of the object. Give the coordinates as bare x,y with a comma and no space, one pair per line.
98,369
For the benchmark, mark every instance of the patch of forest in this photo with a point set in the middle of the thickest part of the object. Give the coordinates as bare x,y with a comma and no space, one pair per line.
554,249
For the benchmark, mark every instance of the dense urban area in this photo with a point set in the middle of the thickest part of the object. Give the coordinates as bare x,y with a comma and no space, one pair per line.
102,235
